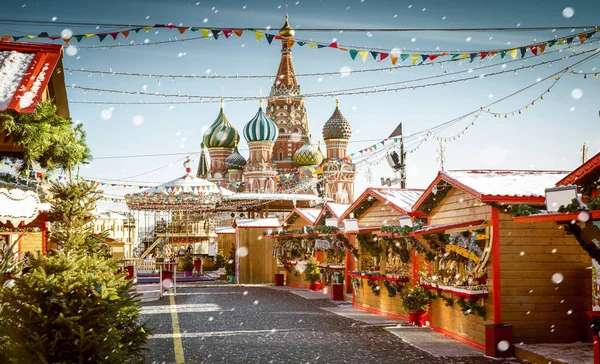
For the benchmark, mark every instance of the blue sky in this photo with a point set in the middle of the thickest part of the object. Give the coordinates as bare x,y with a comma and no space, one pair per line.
548,136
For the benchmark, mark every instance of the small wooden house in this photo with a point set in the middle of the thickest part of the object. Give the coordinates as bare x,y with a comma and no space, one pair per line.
369,274
300,217
254,262
225,239
496,271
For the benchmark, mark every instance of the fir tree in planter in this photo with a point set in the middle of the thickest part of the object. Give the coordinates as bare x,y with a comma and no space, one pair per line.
188,264
230,264
312,273
416,302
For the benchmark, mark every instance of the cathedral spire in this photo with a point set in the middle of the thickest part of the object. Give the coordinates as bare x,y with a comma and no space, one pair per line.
285,83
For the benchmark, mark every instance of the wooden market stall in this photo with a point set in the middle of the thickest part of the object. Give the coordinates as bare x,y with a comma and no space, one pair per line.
255,262
491,271
381,263
225,239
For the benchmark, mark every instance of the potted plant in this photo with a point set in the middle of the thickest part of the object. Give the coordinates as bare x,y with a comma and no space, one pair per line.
188,264
230,264
416,302
313,274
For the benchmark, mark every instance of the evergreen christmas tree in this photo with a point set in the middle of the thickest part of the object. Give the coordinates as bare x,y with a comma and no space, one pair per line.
71,305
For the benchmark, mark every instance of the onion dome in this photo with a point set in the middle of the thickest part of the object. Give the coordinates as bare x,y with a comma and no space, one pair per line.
221,134
260,128
337,127
235,160
286,31
307,155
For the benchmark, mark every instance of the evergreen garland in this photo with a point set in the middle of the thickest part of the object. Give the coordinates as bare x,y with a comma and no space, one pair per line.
574,206
590,248
448,301
432,201
468,307
391,290
363,206
373,249
355,283
344,240
374,287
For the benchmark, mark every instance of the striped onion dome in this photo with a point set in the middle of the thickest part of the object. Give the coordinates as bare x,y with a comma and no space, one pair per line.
260,128
308,155
235,160
221,134
337,127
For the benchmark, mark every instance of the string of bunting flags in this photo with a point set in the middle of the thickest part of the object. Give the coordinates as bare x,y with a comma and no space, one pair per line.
363,53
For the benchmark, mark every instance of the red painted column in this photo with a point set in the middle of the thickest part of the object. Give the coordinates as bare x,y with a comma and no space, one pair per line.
596,346
44,234
496,266
348,267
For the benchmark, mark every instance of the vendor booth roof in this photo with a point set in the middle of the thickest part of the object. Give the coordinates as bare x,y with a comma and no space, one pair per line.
575,178
25,69
270,197
443,227
18,206
221,230
498,186
309,215
337,209
256,223
400,199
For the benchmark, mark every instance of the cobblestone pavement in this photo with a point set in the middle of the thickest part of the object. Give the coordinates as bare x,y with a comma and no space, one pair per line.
263,325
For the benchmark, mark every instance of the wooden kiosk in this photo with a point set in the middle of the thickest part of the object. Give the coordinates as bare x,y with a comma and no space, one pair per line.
254,262
495,271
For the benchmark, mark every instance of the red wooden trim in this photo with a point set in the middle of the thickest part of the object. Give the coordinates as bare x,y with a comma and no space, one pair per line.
347,271
459,338
581,171
456,293
372,191
31,47
415,267
37,63
381,313
514,199
52,61
554,217
444,227
354,205
496,266
44,234
379,278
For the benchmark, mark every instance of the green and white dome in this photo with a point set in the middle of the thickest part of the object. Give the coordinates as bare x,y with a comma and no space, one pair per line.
260,128
235,160
221,134
308,155
337,127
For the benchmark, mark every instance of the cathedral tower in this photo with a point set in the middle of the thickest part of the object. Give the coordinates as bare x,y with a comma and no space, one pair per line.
339,172
285,106
220,139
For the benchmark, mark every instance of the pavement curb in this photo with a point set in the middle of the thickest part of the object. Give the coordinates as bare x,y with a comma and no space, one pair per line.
530,356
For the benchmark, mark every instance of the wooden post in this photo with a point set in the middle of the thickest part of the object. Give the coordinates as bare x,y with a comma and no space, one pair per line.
44,233
496,266
348,267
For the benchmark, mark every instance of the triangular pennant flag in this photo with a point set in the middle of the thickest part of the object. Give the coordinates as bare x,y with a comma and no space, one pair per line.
79,37
301,43
394,59
433,56
278,37
424,57
472,56
483,55
269,37
102,36
569,40
45,35
589,35
374,54
205,33
513,53
502,54
194,29
312,45
238,32
414,58
404,56
551,43
114,35
30,36
291,42
363,55
89,35
333,45
147,28
523,51
560,42
582,38
125,33
170,26
493,54
464,56
5,38
542,48
319,46
455,55
137,30
353,53
383,56
227,32
215,33
534,50
259,35
182,30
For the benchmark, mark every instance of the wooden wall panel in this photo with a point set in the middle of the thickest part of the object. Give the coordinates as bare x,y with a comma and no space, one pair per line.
539,309
224,242
363,297
31,242
458,206
259,266
379,214
296,279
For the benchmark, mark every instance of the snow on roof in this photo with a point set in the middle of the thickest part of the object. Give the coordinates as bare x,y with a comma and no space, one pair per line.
337,209
507,183
224,230
403,199
25,70
310,214
271,197
256,223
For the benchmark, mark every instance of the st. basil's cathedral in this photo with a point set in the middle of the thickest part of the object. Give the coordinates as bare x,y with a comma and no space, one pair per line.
282,158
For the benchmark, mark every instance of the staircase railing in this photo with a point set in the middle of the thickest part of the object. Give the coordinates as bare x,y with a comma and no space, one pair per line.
151,247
